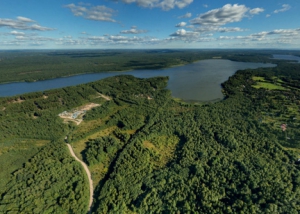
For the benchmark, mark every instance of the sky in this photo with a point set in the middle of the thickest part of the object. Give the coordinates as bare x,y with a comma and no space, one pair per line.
146,24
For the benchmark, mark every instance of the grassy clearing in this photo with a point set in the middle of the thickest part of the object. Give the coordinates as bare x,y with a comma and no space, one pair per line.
80,145
163,148
269,86
98,172
258,79
261,82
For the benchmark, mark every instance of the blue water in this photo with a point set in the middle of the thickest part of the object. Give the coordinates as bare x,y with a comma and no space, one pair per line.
286,57
198,81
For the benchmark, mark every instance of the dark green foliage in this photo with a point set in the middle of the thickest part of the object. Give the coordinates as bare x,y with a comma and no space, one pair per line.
50,182
40,65
101,150
225,159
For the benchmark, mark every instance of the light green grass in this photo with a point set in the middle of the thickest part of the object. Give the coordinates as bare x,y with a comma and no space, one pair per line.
269,86
258,78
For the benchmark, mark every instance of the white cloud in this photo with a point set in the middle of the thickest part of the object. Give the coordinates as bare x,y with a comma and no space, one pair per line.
22,23
230,29
285,7
133,30
273,36
221,16
181,24
268,15
219,29
24,19
163,4
205,5
182,34
119,40
96,13
187,15
256,11
17,33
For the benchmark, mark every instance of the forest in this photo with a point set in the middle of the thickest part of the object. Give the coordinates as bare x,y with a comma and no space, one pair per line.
151,153
34,65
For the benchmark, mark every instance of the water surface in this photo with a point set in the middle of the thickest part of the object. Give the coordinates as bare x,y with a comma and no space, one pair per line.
286,57
200,81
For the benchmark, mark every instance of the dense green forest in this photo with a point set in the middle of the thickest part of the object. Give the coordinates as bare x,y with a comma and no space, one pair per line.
149,153
29,65
40,65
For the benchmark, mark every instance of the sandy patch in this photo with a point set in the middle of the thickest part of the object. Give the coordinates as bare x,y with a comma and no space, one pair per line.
76,115
17,101
104,96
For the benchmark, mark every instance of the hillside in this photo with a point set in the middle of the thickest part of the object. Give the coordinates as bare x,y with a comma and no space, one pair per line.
151,154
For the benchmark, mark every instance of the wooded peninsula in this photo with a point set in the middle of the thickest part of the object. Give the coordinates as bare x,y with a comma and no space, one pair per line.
147,151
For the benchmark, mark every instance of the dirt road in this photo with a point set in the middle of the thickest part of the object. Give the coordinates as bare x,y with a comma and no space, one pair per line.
88,175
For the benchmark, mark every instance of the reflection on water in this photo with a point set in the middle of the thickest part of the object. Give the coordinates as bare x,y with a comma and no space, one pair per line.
198,81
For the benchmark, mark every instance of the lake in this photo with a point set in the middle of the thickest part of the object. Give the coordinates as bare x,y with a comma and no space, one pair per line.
286,57
199,81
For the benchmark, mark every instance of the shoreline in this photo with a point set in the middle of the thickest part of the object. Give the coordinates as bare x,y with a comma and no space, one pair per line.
77,74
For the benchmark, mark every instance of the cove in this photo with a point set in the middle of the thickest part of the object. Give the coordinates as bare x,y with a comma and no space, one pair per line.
199,81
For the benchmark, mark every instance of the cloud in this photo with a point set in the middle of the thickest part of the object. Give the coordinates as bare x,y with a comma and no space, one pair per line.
218,29
217,17
185,35
189,37
22,23
268,15
285,7
119,40
230,29
181,24
133,30
96,13
205,5
163,4
34,38
24,19
276,35
187,15
17,33
256,11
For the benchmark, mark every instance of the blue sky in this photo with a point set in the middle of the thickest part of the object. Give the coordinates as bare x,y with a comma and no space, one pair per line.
104,24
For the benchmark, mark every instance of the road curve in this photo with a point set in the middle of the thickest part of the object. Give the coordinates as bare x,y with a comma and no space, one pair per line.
88,173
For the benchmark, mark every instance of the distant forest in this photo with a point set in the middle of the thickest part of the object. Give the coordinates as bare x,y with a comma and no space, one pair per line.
37,65
151,153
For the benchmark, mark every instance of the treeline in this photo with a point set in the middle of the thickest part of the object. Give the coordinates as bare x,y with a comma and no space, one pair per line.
41,65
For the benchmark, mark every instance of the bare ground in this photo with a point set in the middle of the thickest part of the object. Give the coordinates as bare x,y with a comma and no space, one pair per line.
88,173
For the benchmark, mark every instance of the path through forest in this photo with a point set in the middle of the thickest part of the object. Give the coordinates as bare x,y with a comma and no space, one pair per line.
88,175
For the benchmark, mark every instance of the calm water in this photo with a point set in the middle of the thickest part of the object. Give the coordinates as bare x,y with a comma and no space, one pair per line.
286,57
198,81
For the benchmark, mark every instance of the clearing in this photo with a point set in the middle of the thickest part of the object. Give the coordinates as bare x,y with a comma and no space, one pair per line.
76,115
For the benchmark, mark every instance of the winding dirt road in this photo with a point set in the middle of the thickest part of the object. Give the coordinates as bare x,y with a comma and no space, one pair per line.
88,174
